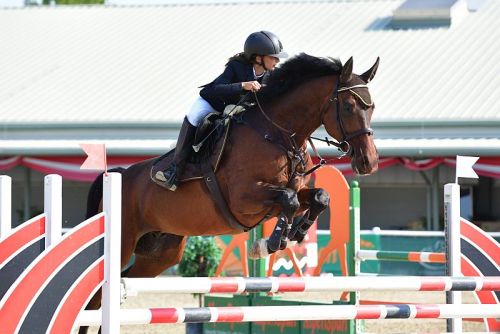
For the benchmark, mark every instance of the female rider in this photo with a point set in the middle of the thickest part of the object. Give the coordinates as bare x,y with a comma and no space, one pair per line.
243,73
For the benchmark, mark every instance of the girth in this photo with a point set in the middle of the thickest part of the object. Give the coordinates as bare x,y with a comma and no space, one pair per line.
218,198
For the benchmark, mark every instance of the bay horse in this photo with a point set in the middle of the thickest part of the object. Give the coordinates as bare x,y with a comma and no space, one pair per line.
263,171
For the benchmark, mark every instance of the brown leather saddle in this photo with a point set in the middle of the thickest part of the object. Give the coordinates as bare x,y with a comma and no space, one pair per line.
207,158
205,162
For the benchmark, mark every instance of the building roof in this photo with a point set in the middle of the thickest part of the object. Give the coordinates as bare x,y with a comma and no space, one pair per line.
85,71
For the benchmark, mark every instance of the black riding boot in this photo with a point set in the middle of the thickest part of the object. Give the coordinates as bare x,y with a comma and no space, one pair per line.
170,176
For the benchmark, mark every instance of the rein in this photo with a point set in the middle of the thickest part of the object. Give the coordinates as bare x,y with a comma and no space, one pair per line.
269,119
296,155
343,146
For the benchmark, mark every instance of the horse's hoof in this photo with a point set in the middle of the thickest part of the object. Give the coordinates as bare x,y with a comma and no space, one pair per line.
258,249
123,292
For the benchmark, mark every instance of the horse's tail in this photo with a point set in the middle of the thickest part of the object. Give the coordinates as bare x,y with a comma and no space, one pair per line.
94,196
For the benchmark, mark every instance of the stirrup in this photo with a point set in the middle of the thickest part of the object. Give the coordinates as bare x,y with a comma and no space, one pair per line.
171,186
160,176
169,181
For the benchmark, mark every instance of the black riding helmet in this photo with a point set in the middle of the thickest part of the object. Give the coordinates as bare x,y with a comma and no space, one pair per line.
264,43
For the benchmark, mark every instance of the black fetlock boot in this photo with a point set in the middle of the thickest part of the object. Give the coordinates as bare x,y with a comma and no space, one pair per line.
170,176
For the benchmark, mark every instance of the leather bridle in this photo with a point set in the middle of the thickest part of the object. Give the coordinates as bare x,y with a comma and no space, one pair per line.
344,145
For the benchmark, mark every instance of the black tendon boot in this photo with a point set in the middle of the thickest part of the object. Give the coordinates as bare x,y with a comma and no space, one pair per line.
170,176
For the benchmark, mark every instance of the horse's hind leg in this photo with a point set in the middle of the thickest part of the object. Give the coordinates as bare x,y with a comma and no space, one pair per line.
127,248
94,304
317,199
155,252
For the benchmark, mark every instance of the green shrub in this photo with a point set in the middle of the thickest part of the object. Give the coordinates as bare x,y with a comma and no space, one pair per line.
201,257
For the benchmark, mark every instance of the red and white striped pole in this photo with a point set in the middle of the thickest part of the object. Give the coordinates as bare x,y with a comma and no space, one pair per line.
294,313
239,285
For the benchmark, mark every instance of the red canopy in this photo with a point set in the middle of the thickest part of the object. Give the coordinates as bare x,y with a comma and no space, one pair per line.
69,167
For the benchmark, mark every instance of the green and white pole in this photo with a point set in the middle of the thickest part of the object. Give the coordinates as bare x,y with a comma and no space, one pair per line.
353,266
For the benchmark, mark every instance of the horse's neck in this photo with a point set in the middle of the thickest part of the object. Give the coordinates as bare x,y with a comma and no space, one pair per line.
299,111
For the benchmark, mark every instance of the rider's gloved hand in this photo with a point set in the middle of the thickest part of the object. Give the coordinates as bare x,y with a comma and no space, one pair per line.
252,86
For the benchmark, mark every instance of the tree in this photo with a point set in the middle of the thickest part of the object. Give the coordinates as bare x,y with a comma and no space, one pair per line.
75,2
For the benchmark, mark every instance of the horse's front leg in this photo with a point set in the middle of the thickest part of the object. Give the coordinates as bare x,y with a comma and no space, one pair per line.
288,201
317,199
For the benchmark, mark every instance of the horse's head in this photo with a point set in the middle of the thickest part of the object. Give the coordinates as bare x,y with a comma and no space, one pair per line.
348,117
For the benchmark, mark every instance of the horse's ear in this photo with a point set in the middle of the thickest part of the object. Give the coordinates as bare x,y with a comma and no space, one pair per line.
345,74
368,75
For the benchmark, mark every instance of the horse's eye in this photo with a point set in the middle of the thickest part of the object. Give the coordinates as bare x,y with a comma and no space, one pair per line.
347,107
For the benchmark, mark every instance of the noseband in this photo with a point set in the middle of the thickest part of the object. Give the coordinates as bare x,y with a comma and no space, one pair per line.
344,145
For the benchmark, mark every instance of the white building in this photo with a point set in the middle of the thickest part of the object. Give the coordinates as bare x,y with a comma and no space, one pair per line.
125,75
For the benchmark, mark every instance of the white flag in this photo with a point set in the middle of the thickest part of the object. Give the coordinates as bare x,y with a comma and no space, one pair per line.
464,167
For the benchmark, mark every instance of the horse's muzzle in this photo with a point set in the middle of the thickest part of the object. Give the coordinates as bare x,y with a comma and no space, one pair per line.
364,159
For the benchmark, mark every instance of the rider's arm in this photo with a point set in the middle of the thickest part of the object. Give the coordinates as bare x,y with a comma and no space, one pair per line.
226,84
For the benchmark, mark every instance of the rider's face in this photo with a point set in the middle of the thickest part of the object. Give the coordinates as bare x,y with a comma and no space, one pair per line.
270,62
267,62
